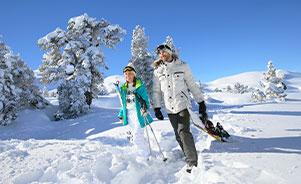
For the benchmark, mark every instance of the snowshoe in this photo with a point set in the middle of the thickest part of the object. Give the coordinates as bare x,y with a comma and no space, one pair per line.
210,127
219,131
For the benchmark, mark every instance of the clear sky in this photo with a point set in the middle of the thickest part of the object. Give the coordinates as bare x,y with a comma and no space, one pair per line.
218,38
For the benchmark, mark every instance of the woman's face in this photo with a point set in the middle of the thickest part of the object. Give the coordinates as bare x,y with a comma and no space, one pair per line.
129,76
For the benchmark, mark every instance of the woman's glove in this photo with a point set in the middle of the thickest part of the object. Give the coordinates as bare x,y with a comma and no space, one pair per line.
120,119
158,113
143,112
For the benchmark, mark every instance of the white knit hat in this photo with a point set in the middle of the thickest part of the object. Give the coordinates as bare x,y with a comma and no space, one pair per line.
130,67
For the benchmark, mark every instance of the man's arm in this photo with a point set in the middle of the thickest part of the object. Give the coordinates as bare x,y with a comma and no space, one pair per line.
191,85
157,97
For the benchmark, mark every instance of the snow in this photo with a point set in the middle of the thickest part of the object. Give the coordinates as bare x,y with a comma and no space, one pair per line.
69,69
265,143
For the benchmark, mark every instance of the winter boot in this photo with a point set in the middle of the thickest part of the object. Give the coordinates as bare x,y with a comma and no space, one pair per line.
189,167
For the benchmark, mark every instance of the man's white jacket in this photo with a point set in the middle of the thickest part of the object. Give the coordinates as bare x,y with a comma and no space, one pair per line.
171,82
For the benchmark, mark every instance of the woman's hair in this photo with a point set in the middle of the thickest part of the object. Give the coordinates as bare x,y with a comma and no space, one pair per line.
134,82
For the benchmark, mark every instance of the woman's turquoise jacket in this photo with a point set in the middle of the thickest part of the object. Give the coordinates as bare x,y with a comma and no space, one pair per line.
141,91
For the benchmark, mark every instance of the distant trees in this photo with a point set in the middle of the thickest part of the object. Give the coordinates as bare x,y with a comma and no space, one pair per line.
142,59
74,57
237,88
273,86
17,88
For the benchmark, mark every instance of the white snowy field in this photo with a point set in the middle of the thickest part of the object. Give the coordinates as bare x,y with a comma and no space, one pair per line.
265,143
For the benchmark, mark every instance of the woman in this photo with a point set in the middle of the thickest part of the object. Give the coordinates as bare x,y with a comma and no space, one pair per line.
131,113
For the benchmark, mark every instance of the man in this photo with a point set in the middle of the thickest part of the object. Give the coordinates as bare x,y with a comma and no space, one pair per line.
172,80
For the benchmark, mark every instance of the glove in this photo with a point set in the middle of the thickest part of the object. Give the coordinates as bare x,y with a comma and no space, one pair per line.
202,108
158,114
120,119
202,111
143,112
204,117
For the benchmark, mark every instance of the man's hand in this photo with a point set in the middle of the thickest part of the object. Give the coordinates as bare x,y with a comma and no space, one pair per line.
158,113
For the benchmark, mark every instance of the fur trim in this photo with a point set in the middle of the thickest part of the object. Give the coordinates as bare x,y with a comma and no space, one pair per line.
157,62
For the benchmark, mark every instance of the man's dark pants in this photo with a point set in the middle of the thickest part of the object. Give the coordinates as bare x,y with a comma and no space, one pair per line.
181,125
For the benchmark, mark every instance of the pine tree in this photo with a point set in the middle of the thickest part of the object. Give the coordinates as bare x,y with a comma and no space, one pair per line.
258,96
142,59
72,100
45,92
274,86
8,95
24,79
75,57
169,42
17,87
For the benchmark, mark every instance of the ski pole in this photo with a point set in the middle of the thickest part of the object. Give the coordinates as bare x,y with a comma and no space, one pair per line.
164,159
150,149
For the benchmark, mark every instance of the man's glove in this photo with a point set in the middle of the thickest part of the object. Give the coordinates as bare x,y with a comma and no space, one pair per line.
204,117
202,107
143,112
202,111
158,113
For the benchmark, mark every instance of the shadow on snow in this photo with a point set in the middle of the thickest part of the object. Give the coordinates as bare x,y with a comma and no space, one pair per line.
281,113
288,145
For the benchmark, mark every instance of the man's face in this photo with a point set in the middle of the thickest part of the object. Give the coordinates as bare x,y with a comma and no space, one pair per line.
165,56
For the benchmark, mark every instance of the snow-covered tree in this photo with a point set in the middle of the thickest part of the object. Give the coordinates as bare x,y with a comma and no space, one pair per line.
17,87
240,88
274,86
45,92
53,93
75,57
24,79
8,95
258,96
169,42
103,90
142,59
237,88
72,100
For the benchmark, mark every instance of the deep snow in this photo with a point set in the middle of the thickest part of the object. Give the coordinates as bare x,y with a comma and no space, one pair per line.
265,143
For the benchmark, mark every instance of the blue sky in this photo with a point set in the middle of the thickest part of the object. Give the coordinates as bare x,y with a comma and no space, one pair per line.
218,38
